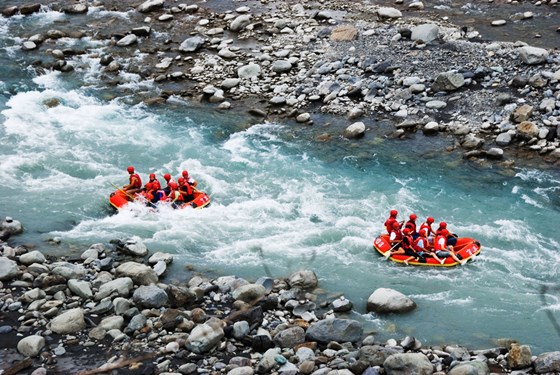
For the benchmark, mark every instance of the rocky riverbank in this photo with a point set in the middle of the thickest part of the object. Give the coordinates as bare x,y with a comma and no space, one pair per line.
112,311
294,61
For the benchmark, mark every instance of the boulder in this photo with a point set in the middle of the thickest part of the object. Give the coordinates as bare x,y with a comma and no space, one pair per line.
150,5
249,293
503,139
448,81
522,113
408,363
31,346
150,296
375,355
495,153
76,9
11,226
533,55
340,330
519,356
180,297
344,33
470,367
80,288
426,33
139,273
303,279
128,40
68,322
249,71
8,269
356,130
290,337
527,130
122,286
29,9
547,362
205,336
388,12
281,66
32,257
240,22
385,300
192,44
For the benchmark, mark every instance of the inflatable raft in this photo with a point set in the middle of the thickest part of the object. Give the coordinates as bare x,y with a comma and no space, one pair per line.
119,198
466,247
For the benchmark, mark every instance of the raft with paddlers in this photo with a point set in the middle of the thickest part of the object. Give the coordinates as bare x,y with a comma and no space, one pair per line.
120,198
466,248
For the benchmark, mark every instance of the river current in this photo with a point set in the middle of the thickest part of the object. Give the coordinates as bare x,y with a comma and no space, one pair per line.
281,200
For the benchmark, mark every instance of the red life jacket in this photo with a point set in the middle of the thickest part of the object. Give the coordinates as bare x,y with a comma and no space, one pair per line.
389,224
407,242
398,235
138,181
176,193
186,191
440,243
425,229
411,225
417,240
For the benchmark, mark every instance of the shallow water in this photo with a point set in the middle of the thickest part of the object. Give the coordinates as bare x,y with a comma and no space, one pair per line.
282,201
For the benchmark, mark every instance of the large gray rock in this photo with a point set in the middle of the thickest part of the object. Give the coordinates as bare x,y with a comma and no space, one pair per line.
281,66
249,293
31,346
76,9
240,22
70,321
68,270
150,5
356,130
150,296
408,363
340,330
206,336
375,355
303,279
470,368
547,362
388,12
533,55
122,286
448,81
192,44
80,288
11,226
127,40
503,139
249,71
8,269
139,273
32,257
134,246
290,337
385,300
426,33
160,256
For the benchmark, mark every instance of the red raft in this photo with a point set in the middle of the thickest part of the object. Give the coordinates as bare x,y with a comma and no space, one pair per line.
119,198
466,247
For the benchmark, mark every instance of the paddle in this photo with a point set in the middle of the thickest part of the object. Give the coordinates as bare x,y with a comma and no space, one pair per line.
387,254
122,191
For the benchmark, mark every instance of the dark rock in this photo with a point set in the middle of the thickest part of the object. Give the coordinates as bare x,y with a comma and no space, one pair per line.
180,297
29,9
261,343
10,11
519,81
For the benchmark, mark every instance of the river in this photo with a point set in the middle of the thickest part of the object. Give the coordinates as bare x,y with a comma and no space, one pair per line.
282,200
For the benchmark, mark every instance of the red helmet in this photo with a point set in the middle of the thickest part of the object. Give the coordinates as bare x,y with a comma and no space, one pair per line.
130,169
152,176
396,225
393,213
149,186
173,185
444,232
185,174
413,217
181,180
156,185
443,224
167,177
430,220
406,231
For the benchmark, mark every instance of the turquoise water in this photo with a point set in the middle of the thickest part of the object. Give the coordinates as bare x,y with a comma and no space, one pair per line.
282,201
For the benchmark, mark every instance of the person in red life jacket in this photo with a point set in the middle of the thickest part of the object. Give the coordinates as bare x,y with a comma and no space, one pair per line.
186,190
168,180
392,219
148,193
175,196
426,228
444,250
134,181
423,248
152,180
396,235
451,238
411,224
191,181
407,247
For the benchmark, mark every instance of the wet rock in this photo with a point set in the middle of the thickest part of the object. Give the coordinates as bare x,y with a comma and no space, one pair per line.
150,6
159,256
128,40
547,363
385,300
8,269
76,9
408,363
31,346
495,153
122,286
139,273
305,280
448,81
519,357
135,247
341,330
150,296
9,11
249,71
204,337
240,22
249,293
533,55
29,9
28,46
341,305
71,321
32,257
192,44
356,130
11,226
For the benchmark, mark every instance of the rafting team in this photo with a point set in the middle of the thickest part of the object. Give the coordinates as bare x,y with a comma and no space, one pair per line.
421,243
177,193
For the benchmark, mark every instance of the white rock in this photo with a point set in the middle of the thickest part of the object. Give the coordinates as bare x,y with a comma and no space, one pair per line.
31,346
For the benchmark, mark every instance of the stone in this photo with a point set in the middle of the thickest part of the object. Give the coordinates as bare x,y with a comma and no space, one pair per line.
356,130
290,337
547,362
112,322
388,12
385,300
240,329
533,55
470,367
504,139
522,113
141,31
240,22
205,336
431,128
29,9
192,44
495,153
498,22
408,363
70,321
344,33
281,66
230,83
150,5
128,40
249,293
341,305
28,45
80,288
9,11
527,130
249,71
122,286
244,370
519,356
436,104
426,33
150,296
471,141
139,273
448,81
303,117
76,9
340,330
180,297
305,279
135,247
8,269
31,346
